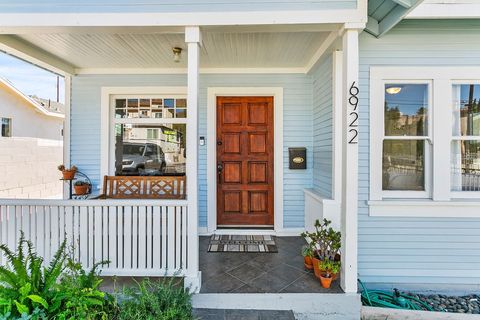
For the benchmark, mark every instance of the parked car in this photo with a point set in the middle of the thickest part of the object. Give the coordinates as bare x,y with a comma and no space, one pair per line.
143,159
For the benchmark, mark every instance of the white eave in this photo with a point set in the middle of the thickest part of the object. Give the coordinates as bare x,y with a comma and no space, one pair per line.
38,107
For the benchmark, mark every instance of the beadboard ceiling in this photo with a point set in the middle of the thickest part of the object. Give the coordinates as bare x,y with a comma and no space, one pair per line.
154,50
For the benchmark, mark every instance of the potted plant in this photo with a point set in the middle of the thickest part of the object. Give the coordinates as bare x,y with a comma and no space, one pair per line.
81,187
329,270
68,174
326,243
307,253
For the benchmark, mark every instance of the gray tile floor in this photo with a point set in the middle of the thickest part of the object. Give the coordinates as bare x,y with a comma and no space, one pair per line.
221,314
224,272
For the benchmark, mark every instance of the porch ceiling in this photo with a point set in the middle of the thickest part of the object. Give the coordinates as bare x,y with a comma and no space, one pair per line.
245,49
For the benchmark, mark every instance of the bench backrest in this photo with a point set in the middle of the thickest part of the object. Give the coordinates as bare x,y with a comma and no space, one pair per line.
144,187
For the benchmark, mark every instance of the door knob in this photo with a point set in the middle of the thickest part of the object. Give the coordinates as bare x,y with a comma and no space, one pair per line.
219,143
219,167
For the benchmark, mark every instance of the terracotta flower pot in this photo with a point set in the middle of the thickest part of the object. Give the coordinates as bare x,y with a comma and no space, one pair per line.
316,267
69,174
326,282
307,261
80,190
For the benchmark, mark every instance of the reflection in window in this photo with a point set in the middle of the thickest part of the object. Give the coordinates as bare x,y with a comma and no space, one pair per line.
150,108
465,165
6,127
406,110
142,149
403,165
466,110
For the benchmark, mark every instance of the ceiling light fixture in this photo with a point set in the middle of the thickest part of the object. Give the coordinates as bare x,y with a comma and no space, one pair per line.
393,90
176,54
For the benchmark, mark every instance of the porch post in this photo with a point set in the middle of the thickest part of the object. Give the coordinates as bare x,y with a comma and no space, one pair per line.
349,217
193,276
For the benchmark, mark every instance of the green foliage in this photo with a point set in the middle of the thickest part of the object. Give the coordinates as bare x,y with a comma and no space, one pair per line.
308,250
160,300
27,287
62,291
329,267
326,242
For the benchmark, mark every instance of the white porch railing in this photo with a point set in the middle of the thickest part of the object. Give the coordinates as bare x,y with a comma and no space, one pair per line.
137,237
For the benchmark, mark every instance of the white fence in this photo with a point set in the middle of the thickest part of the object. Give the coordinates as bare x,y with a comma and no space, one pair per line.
137,237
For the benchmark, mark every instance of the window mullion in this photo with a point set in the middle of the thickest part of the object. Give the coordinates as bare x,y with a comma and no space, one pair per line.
441,137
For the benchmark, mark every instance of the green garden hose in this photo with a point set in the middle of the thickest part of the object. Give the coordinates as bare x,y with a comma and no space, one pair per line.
394,300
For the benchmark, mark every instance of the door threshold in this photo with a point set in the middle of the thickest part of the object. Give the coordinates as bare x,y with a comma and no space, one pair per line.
236,231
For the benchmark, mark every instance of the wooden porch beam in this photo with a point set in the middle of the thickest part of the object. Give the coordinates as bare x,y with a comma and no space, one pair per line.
26,51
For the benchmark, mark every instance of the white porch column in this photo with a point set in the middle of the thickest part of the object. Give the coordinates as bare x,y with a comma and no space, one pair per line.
193,275
349,217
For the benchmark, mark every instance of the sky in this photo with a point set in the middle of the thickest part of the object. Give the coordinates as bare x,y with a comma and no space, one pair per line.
30,79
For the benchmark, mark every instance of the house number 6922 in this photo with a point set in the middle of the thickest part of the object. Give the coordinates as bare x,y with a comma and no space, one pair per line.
353,114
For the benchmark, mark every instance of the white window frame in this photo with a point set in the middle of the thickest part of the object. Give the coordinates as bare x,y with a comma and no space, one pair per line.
108,120
442,200
428,149
465,194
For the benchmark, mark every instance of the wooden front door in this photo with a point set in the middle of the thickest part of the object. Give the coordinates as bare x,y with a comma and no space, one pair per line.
245,161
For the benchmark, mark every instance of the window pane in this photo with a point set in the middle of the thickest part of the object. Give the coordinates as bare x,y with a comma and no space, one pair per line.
404,165
6,127
406,110
466,166
466,110
150,149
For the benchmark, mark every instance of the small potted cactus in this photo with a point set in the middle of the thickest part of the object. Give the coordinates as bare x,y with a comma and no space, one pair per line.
81,187
68,174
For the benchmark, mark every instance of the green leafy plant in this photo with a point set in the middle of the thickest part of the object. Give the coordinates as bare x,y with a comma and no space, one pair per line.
307,250
325,241
329,268
159,300
78,295
62,291
26,286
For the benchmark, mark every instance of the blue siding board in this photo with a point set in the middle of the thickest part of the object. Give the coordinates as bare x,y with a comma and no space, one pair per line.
322,126
298,127
415,251
139,6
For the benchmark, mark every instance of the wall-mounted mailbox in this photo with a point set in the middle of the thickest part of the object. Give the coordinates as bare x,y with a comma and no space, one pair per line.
297,158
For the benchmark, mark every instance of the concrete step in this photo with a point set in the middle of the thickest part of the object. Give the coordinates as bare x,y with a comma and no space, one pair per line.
305,306
232,314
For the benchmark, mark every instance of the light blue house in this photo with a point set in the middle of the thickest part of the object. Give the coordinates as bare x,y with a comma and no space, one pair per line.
384,95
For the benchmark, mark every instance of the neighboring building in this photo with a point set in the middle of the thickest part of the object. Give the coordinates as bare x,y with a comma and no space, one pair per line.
31,145
383,94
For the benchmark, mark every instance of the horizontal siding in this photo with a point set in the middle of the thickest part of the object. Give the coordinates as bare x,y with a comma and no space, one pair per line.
120,6
322,126
85,141
416,251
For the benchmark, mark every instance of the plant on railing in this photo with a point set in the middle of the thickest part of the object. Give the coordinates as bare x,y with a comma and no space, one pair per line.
165,300
62,290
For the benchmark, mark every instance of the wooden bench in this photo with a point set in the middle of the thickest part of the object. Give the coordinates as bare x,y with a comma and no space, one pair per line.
144,187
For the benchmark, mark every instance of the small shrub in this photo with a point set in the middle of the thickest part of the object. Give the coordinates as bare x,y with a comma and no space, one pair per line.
159,300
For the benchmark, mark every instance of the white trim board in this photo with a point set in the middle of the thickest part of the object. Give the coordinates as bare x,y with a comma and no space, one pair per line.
106,121
173,19
213,92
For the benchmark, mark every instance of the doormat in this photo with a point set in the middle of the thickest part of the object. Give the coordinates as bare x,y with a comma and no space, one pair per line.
236,243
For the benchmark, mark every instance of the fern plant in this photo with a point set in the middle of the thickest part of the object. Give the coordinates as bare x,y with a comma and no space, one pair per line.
26,286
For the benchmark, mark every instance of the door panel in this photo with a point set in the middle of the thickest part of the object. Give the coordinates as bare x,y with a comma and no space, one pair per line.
245,161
